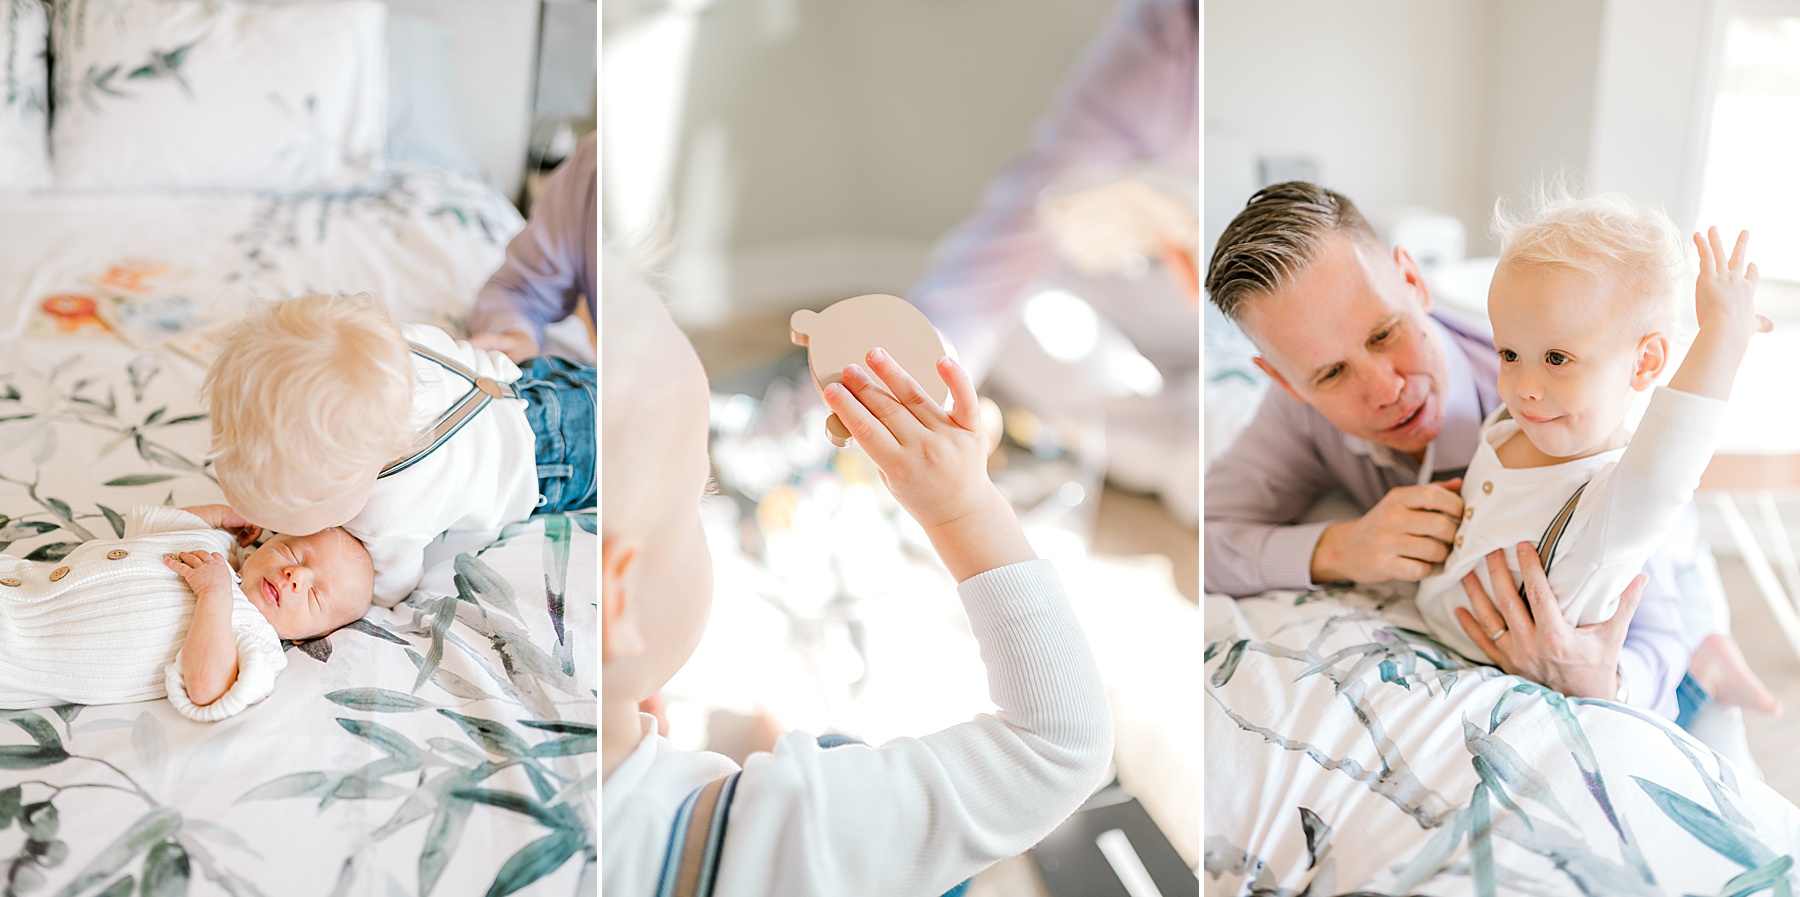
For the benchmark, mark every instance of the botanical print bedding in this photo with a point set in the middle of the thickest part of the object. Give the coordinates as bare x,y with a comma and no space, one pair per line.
422,239
442,747
1347,752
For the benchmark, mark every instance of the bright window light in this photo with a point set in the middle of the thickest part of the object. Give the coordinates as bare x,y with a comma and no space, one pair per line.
1064,325
1751,180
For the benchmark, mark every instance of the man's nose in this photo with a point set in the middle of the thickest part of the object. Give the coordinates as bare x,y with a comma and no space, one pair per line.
1386,385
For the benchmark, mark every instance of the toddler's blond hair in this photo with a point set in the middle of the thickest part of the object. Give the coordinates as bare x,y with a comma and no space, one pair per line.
1607,235
307,396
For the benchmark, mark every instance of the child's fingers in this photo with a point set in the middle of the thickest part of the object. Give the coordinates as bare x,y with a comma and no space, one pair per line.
904,388
868,432
1705,252
965,408
1738,252
1764,325
873,395
1718,249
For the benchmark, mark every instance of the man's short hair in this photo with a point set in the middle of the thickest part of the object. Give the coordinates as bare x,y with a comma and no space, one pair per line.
1275,237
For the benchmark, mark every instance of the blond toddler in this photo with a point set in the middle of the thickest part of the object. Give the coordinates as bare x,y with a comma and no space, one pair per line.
327,413
1582,305
911,817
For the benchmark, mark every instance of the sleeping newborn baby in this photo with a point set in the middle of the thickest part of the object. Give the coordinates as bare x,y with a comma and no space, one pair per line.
160,612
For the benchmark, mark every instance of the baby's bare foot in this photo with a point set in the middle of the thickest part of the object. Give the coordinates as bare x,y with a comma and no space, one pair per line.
1720,668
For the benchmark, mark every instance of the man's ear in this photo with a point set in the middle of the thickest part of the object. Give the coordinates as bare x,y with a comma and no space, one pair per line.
1413,277
620,635
1652,357
1267,368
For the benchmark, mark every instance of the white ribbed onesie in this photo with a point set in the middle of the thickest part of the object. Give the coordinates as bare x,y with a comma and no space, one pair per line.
109,629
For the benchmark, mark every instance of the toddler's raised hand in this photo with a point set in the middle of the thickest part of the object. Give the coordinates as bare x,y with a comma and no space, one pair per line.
1725,292
1725,303
206,572
934,461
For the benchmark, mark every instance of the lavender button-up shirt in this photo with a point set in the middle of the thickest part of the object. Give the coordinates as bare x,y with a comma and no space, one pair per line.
1133,99
1290,455
550,265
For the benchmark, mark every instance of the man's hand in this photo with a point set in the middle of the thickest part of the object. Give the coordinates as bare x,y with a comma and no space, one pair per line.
1400,538
225,518
514,344
1536,642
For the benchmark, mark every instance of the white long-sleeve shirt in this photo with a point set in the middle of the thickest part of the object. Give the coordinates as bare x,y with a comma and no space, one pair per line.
1634,498
109,628
913,816
483,478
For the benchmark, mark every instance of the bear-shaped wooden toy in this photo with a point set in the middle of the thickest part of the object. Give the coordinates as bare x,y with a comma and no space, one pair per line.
844,333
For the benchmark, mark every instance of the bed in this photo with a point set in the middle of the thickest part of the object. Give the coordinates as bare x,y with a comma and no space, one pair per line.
445,746
1348,752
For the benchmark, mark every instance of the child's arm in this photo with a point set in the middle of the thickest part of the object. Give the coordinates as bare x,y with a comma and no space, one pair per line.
223,517
917,815
1724,300
934,462
209,657
1637,506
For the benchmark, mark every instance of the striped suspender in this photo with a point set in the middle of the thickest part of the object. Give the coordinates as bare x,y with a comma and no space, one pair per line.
698,839
482,390
1546,546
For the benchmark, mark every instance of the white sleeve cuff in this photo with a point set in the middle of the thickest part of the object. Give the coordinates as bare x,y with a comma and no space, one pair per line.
259,658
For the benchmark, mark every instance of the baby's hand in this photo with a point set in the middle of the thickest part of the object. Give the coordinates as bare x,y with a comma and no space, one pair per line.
204,571
1725,292
934,461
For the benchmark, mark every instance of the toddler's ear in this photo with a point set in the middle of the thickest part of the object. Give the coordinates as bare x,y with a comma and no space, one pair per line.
619,634
1652,358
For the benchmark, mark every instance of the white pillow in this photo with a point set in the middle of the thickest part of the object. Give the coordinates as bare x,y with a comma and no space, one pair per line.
218,95
24,124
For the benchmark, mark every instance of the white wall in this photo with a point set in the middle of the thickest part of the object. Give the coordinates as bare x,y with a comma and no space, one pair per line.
1450,104
1391,96
816,148
1651,102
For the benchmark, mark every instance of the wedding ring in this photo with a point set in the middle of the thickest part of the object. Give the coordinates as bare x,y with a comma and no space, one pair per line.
1497,634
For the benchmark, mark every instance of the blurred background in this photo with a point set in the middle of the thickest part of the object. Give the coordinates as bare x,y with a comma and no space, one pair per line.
1426,113
803,151
774,155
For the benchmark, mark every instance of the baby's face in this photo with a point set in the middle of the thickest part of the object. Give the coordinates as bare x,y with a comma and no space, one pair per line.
1569,355
306,586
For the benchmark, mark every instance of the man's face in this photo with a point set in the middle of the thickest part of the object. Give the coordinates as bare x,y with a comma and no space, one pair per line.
1350,336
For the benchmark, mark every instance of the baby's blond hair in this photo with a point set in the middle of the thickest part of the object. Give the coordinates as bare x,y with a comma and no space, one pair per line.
1607,235
307,396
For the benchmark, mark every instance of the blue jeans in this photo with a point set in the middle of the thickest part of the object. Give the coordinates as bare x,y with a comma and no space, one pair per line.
1690,699
559,403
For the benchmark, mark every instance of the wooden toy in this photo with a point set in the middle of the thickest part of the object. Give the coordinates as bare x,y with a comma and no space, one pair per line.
844,333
